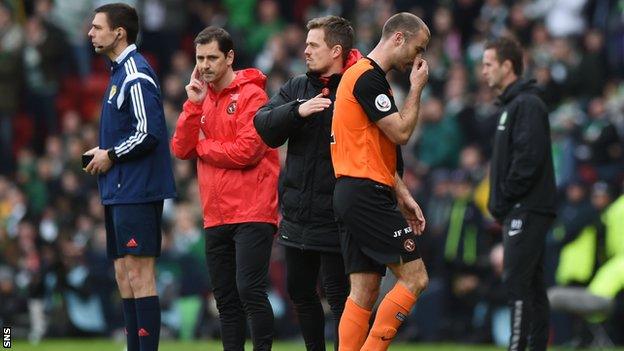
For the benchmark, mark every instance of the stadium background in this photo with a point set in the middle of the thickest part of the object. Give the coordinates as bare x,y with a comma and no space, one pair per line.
56,282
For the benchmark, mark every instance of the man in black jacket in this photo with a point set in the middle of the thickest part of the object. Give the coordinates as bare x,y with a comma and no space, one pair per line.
301,113
522,190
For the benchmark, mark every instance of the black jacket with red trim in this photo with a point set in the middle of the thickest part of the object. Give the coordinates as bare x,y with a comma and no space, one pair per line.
307,182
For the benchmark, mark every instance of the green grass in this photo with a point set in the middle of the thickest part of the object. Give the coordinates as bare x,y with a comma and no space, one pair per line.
107,345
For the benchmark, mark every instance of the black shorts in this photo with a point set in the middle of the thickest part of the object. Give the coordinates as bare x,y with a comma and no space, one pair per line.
373,232
133,229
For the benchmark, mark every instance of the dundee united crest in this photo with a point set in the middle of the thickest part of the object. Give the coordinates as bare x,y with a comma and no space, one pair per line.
409,245
231,108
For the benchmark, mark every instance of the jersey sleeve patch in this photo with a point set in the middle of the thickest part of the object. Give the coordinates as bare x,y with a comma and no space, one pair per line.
373,93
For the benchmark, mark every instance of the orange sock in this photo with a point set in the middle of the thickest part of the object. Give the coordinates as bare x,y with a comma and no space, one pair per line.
392,311
353,326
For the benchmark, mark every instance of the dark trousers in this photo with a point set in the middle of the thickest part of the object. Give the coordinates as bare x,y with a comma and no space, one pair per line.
238,264
302,274
524,237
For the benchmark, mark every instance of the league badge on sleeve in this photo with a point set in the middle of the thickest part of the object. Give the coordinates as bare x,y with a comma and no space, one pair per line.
382,103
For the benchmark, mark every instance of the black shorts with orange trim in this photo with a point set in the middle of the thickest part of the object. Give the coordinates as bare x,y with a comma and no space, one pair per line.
133,229
373,232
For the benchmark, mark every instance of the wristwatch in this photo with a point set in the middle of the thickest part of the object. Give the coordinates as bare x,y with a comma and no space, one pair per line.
112,155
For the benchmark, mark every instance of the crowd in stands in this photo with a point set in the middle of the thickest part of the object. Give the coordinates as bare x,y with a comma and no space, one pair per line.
55,279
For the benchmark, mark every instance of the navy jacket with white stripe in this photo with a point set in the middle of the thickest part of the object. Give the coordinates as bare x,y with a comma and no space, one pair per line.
133,129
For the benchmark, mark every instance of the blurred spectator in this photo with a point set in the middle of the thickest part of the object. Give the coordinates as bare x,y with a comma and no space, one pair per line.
240,14
614,226
471,162
464,13
437,125
269,23
496,317
458,105
12,302
595,304
29,278
564,60
84,307
43,60
562,17
465,255
493,17
162,22
444,32
74,19
600,145
565,121
581,234
583,241
11,41
438,207
592,69
325,8
519,23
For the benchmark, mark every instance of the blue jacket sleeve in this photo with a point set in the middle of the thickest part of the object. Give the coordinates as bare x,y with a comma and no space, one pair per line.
145,106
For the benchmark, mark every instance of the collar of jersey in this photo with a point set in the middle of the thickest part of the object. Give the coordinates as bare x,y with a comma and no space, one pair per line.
124,54
376,65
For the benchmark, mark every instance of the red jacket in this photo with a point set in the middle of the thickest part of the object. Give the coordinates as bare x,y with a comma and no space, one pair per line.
237,172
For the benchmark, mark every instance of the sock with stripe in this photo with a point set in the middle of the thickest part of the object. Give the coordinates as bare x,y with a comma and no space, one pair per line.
148,318
393,310
130,317
353,326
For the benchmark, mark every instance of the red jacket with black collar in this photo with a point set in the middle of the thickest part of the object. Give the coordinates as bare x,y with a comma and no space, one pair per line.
237,172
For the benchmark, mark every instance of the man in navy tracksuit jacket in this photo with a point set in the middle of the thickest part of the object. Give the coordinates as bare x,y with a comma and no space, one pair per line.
133,165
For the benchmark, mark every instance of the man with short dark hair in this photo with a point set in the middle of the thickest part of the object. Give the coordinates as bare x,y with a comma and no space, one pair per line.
522,190
237,175
301,114
133,165
379,219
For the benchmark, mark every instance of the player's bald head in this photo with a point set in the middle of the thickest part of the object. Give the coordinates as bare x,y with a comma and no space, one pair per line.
406,23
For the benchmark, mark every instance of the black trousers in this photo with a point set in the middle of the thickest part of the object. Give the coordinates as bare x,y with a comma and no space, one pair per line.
238,264
302,274
524,236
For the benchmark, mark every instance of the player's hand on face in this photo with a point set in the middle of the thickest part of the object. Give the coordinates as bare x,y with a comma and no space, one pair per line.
413,215
314,105
420,73
100,162
196,89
